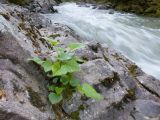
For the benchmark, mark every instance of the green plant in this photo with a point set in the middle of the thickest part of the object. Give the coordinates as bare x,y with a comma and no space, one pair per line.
61,71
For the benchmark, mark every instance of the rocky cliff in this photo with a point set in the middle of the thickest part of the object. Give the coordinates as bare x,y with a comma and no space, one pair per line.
129,93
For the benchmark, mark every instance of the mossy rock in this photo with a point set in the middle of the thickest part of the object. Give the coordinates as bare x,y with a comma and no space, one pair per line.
150,10
19,2
140,7
158,12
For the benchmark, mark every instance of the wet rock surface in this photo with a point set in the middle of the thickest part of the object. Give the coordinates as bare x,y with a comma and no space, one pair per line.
129,94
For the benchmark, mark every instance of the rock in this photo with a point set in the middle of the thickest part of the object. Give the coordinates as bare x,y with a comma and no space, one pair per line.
147,108
45,6
129,93
25,94
103,7
94,7
94,72
153,86
19,2
111,11
144,7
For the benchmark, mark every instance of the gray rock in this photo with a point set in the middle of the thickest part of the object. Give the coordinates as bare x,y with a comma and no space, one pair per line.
25,95
111,11
129,94
104,7
94,72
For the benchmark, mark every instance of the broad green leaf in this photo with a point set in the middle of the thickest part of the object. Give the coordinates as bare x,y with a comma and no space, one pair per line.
62,71
55,67
59,90
47,65
79,87
67,67
51,41
65,79
89,91
75,46
74,82
37,60
58,69
54,98
71,66
59,50
51,88
64,56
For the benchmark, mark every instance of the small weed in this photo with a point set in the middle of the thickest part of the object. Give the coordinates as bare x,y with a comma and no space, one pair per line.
61,71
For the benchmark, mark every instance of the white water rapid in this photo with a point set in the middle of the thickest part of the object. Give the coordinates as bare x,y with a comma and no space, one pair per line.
138,38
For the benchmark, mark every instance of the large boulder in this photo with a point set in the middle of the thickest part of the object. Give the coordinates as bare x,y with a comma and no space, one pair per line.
23,93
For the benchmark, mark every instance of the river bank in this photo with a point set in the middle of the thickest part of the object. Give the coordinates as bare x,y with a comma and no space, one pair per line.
140,7
130,34
129,93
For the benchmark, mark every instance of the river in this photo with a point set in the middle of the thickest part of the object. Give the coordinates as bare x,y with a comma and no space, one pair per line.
138,38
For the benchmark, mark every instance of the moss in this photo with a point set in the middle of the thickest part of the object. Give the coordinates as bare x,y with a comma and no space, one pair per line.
6,16
150,10
141,7
19,2
158,12
30,33
118,106
130,96
132,70
118,57
55,36
109,82
35,99
75,115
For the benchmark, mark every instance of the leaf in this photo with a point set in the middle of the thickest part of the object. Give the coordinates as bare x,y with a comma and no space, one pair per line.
65,79
79,87
51,88
75,46
51,41
59,90
74,82
67,67
71,66
47,66
89,91
54,98
55,67
37,60
62,71
59,50
65,56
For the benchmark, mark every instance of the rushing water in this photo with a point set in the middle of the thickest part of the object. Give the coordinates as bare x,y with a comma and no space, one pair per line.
136,37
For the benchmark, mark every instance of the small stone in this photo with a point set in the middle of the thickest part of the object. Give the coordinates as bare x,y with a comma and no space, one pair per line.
111,11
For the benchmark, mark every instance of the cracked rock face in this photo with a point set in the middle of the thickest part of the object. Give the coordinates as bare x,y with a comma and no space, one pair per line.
129,94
